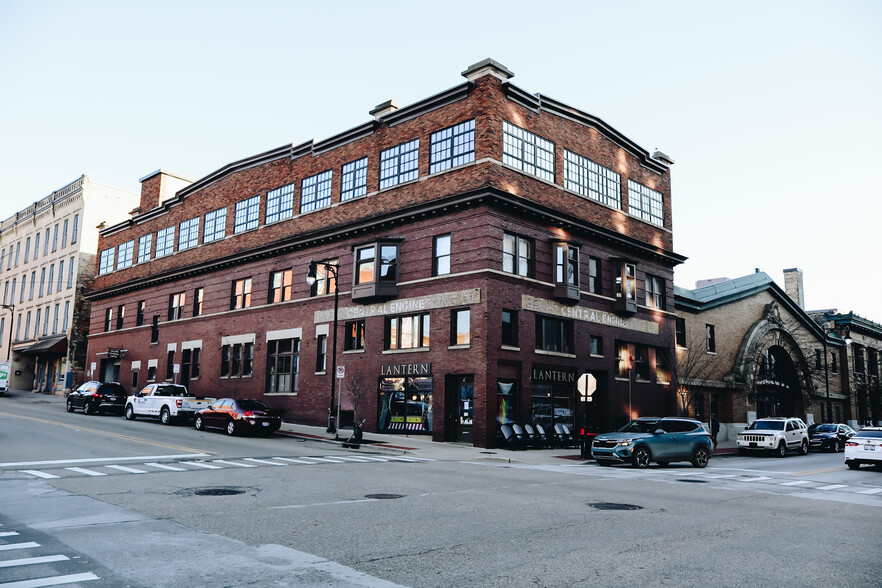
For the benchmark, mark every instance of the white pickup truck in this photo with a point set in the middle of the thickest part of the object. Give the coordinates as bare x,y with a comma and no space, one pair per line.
169,402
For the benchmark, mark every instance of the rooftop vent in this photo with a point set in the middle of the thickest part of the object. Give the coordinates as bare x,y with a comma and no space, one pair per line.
383,109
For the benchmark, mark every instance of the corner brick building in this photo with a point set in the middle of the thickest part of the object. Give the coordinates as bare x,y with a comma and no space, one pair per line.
489,245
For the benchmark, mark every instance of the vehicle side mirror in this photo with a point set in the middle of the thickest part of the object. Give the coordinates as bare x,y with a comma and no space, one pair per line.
658,432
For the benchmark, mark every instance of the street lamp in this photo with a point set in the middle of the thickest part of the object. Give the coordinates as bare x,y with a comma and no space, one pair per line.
331,268
11,309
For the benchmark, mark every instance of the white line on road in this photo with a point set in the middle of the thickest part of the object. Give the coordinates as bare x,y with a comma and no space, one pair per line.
325,459
85,471
127,469
234,463
202,464
11,563
832,487
871,491
166,467
43,475
796,483
53,581
8,534
12,546
718,476
756,479
296,460
100,459
267,462
323,503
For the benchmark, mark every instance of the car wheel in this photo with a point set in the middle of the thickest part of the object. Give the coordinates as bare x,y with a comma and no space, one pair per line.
87,408
198,423
803,449
130,412
641,458
700,457
165,416
781,451
70,406
852,465
231,428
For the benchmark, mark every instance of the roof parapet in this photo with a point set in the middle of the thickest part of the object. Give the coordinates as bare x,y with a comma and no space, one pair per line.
487,67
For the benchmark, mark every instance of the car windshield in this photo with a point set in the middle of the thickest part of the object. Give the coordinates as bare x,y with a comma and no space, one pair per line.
767,426
639,427
825,429
171,390
252,405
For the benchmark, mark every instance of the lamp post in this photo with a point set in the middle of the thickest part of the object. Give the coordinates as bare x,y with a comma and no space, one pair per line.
11,309
330,268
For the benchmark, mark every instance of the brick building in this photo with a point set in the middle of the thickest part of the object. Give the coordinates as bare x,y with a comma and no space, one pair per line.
47,256
489,246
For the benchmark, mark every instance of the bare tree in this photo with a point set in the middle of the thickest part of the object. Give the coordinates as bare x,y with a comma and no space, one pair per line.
358,390
696,371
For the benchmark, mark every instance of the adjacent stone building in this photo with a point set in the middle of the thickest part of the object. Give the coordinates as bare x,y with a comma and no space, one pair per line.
47,256
476,251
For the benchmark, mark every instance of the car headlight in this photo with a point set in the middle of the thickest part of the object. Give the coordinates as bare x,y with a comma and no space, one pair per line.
625,442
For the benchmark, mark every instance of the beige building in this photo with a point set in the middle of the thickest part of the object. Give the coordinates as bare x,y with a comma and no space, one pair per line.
746,349
47,256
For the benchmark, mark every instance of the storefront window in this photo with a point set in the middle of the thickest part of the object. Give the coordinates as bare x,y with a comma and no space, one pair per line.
506,402
405,404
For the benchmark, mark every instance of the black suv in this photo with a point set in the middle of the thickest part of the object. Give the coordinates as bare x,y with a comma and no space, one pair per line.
97,397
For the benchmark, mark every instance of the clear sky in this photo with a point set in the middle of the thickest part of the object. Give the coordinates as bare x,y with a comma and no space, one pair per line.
769,108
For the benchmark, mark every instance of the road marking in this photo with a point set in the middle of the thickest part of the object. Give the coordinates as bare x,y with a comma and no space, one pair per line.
323,503
52,581
11,563
233,463
718,476
202,464
832,487
97,432
166,467
43,475
85,471
796,483
824,471
296,460
325,459
756,479
8,534
11,546
408,459
372,458
267,462
101,459
871,491
127,469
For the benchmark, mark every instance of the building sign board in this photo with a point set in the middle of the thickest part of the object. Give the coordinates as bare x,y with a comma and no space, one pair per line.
406,369
580,313
403,306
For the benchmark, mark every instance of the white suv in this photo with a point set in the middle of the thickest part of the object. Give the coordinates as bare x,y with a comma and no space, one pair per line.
774,435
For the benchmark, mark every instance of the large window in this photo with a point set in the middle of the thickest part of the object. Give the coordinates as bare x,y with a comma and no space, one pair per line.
510,328
247,215
144,244
554,334
165,241
710,338
280,203
452,146
315,192
105,264
662,365
176,304
592,180
460,327
399,164
641,362
354,179
198,295
42,284
376,271
321,354
655,292
325,281
280,286
680,331
623,359
354,338
646,203
594,276
626,287
441,255
282,366
407,332
28,249
527,152
215,225
241,294
517,255
188,234
139,315
566,264
124,257
76,229
237,360
120,315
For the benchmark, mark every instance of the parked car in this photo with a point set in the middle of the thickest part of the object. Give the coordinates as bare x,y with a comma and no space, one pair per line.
169,402
829,436
773,435
649,439
97,397
864,447
238,415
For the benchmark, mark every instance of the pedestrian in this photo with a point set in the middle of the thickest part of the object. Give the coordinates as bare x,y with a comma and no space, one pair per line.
715,428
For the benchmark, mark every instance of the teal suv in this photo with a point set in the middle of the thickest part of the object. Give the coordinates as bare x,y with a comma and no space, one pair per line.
653,439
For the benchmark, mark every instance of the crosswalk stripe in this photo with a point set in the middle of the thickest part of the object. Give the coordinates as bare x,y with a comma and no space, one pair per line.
8,534
757,479
296,460
11,563
202,464
373,458
85,471
832,487
796,483
233,463
51,581
166,467
40,474
11,546
267,462
407,459
350,458
871,491
719,476
325,459
127,469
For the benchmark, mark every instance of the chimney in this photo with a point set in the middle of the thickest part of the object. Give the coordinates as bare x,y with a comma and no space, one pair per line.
160,186
793,286
487,67
383,109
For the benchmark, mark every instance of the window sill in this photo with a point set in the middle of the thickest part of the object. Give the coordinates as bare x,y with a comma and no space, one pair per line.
596,356
351,351
555,353
510,348
321,373
280,394
459,346
414,350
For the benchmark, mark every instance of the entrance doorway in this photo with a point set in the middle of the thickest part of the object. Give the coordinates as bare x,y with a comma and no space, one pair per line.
459,408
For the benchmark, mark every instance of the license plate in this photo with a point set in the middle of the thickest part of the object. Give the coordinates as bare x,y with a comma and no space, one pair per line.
111,398
752,444
264,424
869,448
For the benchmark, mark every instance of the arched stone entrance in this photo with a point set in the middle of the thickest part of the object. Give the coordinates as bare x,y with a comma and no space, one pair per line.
778,392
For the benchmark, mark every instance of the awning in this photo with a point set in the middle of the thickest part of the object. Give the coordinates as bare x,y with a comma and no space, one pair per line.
57,344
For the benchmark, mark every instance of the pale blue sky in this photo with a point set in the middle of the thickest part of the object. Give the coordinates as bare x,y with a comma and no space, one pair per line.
770,109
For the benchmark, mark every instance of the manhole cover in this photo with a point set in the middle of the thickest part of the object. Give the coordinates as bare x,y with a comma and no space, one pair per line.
613,506
692,481
384,496
218,492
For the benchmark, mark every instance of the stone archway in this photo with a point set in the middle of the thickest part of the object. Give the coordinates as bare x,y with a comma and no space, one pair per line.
777,389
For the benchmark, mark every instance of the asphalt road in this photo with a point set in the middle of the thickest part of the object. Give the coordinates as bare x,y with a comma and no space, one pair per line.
141,504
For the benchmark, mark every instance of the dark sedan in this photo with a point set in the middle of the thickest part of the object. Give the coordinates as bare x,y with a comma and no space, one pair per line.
829,436
97,397
237,415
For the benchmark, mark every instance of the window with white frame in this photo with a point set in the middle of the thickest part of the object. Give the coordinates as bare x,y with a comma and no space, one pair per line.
399,164
188,234
655,292
237,360
407,332
452,146
283,366
215,225
124,257
280,203
646,203
315,192
592,180
42,284
145,242
105,264
527,152
354,179
517,255
165,241
246,215
76,229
